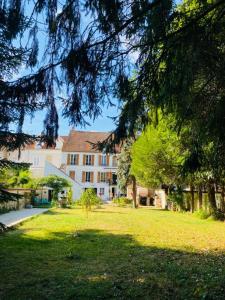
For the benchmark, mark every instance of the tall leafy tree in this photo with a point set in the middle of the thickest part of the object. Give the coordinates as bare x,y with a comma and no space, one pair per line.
157,155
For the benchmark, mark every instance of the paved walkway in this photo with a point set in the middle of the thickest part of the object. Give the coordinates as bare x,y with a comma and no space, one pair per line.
14,217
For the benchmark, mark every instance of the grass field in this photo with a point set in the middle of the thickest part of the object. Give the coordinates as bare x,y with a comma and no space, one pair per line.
115,253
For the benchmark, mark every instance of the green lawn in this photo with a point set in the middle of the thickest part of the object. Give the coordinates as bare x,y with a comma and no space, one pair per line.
115,253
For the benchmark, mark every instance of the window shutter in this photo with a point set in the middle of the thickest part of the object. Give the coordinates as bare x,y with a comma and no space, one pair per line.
107,160
68,159
92,177
92,160
109,175
77,159
72,174
83,176
99,160
98,176
114,161
84,159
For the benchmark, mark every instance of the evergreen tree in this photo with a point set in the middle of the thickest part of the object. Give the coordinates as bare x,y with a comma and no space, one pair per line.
125,176
89,58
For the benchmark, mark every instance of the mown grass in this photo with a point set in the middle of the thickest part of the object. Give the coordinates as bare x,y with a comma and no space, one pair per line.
115,253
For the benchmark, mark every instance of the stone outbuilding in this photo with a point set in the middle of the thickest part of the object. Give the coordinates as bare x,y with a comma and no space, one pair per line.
149,197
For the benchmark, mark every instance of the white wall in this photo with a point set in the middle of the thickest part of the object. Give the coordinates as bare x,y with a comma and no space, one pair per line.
95,168
50,169
162,195
48,161
37,159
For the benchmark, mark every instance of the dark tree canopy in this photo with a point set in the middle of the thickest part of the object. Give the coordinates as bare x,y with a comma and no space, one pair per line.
148,54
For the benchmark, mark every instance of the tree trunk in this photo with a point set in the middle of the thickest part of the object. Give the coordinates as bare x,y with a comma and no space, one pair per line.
222,199
192,198
211,196
200,196
188,202
134,192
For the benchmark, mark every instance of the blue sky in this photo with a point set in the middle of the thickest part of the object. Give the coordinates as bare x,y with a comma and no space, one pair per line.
103,123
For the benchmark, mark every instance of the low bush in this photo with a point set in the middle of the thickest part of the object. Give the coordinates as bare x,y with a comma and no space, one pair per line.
43,205
122,201
216,216
202,214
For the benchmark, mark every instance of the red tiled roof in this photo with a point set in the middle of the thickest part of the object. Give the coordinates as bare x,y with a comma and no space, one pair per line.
80,141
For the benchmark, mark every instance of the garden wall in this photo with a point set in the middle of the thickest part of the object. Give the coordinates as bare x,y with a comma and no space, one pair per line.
18,204
12,205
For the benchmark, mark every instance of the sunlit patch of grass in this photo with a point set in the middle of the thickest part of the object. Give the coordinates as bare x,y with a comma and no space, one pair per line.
115,253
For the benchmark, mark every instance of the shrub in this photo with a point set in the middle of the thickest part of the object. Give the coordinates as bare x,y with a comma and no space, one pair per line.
89,199
70,196
202,214
218,215
177,197
122,201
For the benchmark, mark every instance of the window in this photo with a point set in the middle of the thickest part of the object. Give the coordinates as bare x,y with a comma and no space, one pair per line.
73,159
104,162
88,176
88,160
114,179
102,191
102,177
72,174
114,162
36,161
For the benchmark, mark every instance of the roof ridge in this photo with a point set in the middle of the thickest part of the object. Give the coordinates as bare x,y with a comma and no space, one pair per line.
92,131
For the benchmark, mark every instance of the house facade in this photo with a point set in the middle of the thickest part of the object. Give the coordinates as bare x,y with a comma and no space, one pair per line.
88,167
75,159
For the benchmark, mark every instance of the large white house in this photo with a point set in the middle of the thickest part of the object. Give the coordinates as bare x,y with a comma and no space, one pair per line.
75,159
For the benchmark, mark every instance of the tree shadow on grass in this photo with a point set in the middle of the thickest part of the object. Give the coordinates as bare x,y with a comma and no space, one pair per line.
94,264
108,212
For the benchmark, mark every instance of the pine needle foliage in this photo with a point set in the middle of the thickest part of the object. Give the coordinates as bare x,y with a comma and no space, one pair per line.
92,57
149,54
